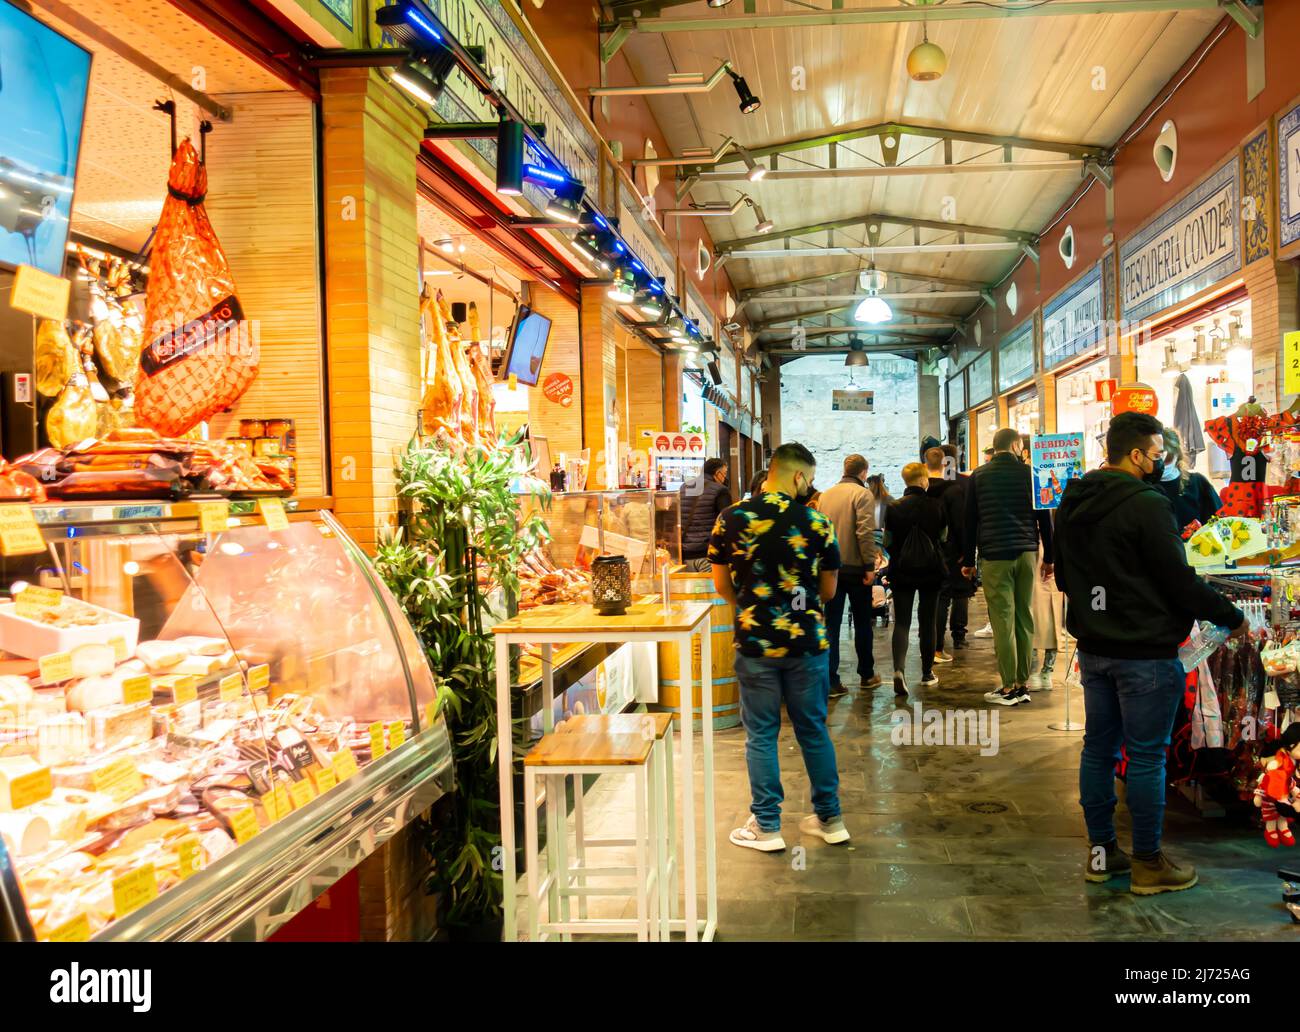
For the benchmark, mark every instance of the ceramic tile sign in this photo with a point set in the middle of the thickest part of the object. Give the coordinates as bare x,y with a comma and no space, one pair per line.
853,401
1056,459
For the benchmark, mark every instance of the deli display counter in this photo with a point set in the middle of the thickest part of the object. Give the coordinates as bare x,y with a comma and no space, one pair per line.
207,717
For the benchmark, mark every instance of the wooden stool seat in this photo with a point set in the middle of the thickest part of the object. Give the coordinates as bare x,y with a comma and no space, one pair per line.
617,724
590,750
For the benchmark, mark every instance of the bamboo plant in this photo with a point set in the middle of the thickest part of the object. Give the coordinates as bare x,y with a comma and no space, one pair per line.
462,539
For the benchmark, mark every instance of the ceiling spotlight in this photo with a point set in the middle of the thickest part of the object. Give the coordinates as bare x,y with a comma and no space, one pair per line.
748,102
764,223
927,61
446,245
623,289
564,210
461,247
719,3
587,245
650,303
756,171
416,79
856,356
677,332
510,157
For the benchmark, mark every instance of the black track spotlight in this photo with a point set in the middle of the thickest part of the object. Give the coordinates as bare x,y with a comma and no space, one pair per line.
748,102
564,205
510,157
650,303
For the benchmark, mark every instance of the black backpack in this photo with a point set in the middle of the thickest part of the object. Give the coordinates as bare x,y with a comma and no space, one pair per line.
919,561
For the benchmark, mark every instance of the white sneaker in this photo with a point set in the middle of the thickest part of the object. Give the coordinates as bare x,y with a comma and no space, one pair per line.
1041,681
984,632
832,831
751,836
997,693
931,681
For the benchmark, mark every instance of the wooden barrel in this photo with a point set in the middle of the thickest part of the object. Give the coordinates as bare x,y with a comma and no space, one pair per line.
698,587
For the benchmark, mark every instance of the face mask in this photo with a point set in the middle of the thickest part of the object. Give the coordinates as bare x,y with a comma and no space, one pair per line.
1171,473
1157,472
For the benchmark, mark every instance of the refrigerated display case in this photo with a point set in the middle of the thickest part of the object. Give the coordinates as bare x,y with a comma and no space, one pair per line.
232,717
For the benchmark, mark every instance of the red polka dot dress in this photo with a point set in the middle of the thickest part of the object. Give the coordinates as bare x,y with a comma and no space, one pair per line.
1242,438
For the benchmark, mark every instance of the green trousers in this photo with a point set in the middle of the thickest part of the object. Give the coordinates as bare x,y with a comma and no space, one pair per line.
1009,595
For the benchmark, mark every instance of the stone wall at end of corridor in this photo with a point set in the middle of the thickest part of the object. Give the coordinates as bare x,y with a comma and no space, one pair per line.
888,437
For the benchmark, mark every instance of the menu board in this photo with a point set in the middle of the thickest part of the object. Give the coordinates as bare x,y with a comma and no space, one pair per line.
1016,358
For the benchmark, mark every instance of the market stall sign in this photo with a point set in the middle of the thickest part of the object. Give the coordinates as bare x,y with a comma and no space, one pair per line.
979,387
1016,358
39,293
1056,459
1104,390
558,387
1188,247
853,401
674,442
1135,398
1072,322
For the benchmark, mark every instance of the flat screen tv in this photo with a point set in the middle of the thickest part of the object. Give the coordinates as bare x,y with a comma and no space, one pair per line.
528,337
43,82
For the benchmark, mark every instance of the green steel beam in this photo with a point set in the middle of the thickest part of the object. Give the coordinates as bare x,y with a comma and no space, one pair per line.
1249,16
613,43
728,246
973,10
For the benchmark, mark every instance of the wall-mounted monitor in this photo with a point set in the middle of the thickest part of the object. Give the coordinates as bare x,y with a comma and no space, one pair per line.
527,346
44,77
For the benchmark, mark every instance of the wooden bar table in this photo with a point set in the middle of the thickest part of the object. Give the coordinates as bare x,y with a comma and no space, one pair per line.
653,621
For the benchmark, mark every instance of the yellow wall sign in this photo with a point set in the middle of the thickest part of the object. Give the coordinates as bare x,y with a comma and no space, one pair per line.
1291,362
133,890
19,534
40,293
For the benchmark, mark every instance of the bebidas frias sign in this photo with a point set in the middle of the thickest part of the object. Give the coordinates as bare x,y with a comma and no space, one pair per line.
1190,246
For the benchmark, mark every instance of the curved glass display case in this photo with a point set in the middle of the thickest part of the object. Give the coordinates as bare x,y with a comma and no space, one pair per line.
204,722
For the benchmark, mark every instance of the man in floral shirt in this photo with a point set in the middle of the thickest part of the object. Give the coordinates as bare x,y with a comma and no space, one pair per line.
776,561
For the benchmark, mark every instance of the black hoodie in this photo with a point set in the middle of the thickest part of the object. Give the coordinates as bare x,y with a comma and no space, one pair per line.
1123,568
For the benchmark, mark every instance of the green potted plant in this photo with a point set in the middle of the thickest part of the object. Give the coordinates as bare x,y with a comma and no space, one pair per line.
461,539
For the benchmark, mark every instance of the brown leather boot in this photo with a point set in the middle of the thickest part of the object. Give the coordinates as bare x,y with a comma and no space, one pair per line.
1105,863
1160,875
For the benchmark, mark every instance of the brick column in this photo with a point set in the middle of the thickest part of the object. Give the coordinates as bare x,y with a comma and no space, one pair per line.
372,316
599,372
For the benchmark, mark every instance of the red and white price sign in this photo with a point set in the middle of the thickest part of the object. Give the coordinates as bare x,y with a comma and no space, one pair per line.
558,388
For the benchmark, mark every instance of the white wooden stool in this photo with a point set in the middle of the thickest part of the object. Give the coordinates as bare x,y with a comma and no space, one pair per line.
554,759
658,726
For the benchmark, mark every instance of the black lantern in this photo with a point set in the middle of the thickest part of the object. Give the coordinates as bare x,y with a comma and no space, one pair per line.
611,585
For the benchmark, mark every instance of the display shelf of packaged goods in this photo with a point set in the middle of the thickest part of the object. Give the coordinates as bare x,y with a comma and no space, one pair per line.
200,731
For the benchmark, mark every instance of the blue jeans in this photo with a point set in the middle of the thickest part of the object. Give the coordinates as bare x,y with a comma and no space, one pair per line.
851,590
1130,702
803,682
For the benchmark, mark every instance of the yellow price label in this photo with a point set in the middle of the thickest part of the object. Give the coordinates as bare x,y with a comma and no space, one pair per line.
55,667
40,293
243,822
344,764
273,514
134,889
376,740
190,853
120,651
185,689
75,930
30,788
271,805
325,779
19,534
396,734
214,517
259,677
120,779
137,689
231,687
32,601
301,793
283,807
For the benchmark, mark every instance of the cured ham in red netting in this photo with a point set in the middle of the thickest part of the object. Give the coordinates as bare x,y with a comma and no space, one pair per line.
199,356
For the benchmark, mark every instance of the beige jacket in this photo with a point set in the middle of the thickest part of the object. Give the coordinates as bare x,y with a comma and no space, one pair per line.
852,509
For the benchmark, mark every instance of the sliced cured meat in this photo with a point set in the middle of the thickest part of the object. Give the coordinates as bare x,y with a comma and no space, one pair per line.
199,356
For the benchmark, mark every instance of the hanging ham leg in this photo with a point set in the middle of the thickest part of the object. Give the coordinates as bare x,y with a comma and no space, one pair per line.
469,387
199,356
487,403
440,407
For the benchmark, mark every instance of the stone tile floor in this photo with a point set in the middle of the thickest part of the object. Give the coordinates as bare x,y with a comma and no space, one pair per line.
949,844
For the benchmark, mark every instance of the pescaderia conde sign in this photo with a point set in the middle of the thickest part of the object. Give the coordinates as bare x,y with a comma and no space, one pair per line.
1190,246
